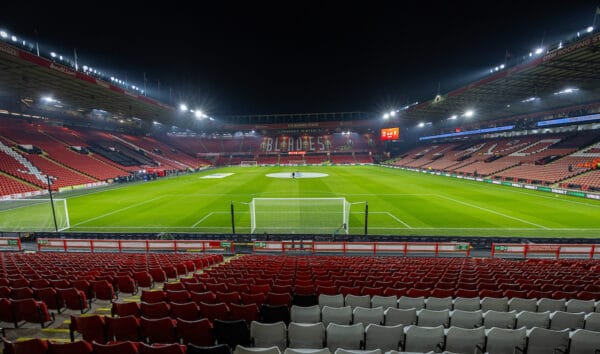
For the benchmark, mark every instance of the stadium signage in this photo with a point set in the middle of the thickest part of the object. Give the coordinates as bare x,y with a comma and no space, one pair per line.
131,94
581,44
102,83
8,50
559,191
62,69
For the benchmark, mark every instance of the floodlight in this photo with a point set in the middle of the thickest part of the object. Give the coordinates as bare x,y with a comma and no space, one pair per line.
590,29
501,66
53,55
386,116
454,116
60,57
48,99
421,125
85,68
14,38
469,113
392,113
3,34
539,50
183,107
198,113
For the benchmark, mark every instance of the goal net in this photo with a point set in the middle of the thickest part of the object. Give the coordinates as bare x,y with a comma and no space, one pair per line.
248,163
25,215
299,215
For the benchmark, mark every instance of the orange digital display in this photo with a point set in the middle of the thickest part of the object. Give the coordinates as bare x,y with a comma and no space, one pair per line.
390,133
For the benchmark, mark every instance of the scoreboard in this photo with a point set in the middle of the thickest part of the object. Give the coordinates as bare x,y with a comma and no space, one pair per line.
390,134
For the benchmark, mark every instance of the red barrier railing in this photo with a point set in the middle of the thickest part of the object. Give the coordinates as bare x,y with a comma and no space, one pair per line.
10,244
374,248
45,244
556,251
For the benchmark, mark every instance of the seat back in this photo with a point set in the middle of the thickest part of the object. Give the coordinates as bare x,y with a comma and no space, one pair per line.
339,315
385,338
466,319
502,340
367,316
311,314
463,340
542,340
306,335
424,339
394,316
268,334
344,336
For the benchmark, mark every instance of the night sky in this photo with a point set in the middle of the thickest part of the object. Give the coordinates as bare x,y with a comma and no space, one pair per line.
297,57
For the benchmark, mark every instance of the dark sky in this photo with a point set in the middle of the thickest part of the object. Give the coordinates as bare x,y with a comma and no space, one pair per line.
256,57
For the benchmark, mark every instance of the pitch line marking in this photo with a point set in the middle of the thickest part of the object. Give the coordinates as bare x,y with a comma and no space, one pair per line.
370,227
201,220
118,211
398,220
493,211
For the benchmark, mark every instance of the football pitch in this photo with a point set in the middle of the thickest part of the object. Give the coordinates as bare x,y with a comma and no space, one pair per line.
400,203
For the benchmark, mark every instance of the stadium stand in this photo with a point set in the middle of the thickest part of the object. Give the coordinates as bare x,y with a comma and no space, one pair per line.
572,286
544,159
13,186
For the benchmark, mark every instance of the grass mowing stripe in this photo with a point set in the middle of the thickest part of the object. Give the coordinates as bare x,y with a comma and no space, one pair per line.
473,208
493,211
118,211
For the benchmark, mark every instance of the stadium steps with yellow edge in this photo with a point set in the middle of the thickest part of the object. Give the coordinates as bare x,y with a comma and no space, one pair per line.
566,180
19,180
50,159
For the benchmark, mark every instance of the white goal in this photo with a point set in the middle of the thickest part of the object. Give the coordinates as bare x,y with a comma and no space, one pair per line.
299,215
248,163
27,215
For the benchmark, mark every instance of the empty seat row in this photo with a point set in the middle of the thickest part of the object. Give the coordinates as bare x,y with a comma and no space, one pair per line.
458,318
467,304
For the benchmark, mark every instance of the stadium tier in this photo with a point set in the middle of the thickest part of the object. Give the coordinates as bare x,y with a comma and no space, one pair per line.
543,159
191,302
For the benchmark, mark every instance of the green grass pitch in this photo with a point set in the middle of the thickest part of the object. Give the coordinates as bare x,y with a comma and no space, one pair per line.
400,203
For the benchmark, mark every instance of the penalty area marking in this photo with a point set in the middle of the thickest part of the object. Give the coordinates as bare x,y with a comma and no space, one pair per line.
216,175
204,218
493,211
398,220
297,175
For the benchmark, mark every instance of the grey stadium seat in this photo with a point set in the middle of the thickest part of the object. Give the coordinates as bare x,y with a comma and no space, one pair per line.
562,320
520,304
394,316
357,301
367,316
438,303
467,303
346,337
541,341
331,300
306,335
406,302
423,339
494,304
339,315
430,318
505,341
529,319
267,335
384,337
584,342
545,304
310,314
499,319
462,340
256,350
466,319
384,301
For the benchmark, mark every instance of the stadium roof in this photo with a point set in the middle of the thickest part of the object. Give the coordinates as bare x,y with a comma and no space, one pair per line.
25,74
560,77
564,76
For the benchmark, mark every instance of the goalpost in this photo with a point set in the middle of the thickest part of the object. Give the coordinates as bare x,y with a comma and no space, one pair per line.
299,215
248,163
23,215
